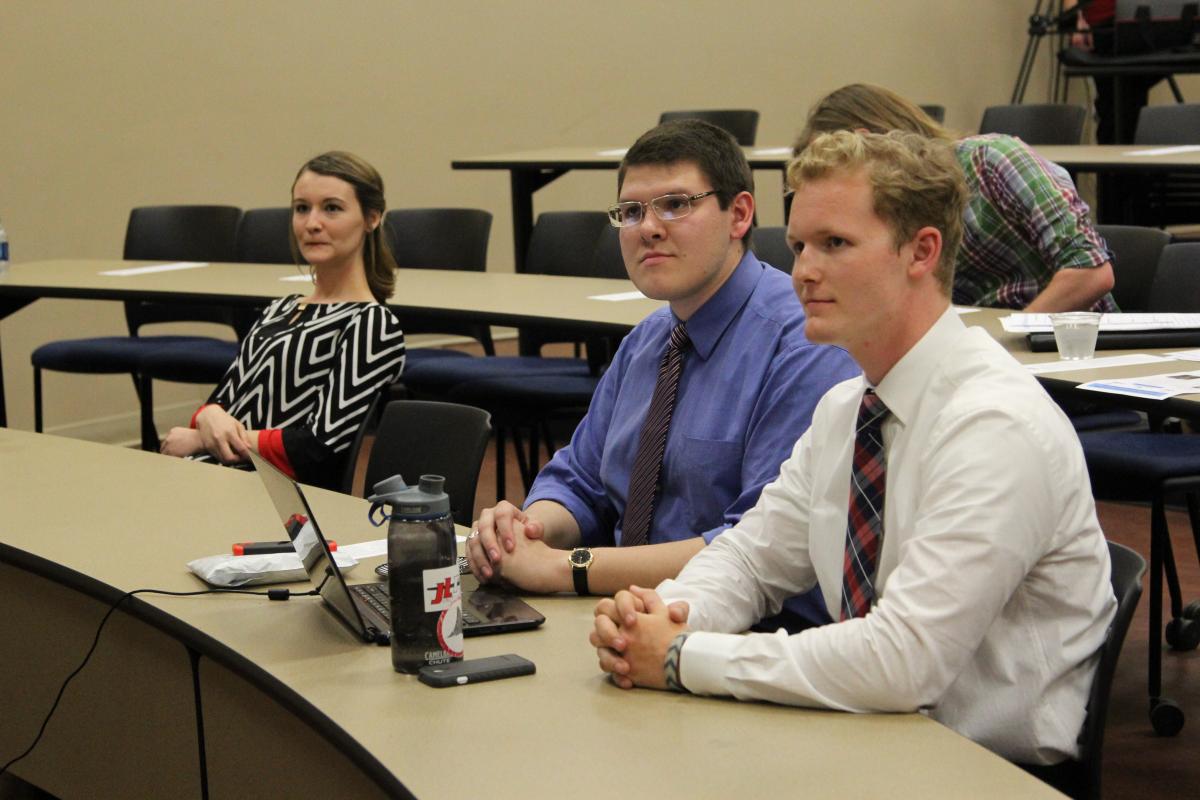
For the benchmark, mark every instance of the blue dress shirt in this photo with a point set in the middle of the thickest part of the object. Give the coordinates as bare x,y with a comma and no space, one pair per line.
750,382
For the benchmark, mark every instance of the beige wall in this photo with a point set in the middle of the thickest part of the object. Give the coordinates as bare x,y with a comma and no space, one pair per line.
119,103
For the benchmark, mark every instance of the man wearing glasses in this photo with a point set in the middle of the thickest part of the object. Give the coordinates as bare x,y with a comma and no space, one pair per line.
703,399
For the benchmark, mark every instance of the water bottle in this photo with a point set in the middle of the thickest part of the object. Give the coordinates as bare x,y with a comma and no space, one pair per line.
3,251
423,577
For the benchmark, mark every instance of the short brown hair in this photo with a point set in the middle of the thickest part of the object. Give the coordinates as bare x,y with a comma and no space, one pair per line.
865,106
713,150
378,260
915,183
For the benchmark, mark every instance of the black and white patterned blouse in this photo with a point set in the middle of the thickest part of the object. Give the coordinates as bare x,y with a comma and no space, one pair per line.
305,375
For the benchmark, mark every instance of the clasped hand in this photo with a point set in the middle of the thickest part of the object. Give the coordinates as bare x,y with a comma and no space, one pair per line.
216,433
631,635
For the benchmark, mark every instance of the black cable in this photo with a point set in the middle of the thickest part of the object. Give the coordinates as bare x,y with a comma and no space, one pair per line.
273,594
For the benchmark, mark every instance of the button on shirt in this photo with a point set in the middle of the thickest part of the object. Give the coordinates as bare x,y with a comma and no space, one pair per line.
994,593
749,385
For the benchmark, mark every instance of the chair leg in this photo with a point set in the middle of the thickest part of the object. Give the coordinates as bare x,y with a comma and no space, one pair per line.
37,399
1166,717
145,392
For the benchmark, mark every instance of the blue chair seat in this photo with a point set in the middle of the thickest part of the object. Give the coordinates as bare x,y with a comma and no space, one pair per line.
527,395
106,354
202,361
1141,461
1117,419
438,376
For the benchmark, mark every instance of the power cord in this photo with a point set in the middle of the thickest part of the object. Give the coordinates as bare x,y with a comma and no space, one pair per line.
273,594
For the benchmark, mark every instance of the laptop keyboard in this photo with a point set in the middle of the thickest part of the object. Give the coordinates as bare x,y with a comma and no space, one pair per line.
376,597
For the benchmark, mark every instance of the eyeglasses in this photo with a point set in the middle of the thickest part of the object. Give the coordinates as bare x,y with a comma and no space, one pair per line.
667,207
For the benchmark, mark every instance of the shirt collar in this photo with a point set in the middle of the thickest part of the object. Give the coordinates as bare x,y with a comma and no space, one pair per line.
711,319
901,389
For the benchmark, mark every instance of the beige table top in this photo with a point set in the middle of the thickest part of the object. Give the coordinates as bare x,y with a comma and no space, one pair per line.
132,519
497,297
1017,345
1082,157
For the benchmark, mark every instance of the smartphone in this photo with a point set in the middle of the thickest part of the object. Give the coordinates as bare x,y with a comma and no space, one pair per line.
476,670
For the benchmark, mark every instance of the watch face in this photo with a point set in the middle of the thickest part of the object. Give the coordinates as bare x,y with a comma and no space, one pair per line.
581,558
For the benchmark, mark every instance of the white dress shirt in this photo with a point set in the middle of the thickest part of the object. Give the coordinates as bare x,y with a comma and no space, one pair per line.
993,582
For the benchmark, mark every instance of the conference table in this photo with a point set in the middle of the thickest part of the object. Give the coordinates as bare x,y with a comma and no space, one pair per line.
494,298
530,170
237,696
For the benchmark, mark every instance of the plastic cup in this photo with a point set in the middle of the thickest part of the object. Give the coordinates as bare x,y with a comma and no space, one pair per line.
1075,334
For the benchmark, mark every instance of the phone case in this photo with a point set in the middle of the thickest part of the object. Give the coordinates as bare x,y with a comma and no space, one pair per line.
460,673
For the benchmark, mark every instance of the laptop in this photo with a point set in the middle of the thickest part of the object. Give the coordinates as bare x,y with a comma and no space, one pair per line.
366,607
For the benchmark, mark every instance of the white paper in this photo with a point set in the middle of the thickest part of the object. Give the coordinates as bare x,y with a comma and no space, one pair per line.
305,278
1040,323
616,151
772,151
156,268
1151,387
378,547
618,296
1094,363
363,550
1186,355
960,310
1165,151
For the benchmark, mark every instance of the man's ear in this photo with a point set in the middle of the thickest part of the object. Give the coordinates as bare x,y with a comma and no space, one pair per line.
743,215
926,246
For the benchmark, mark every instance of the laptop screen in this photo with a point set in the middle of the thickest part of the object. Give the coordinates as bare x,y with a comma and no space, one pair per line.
301,526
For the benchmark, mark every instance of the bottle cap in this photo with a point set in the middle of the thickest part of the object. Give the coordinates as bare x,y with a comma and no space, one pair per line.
426,500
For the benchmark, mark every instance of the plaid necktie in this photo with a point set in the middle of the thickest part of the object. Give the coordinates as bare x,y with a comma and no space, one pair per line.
864,524
647,464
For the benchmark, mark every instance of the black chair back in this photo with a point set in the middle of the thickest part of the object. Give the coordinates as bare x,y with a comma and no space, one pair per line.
771,247
607,261
1036,123
264,236
1135,253
1169,198
439,238
741,122
180,233
1176,286
937,113
421,437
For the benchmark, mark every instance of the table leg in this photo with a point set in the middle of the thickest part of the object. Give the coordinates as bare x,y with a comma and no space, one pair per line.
7,307
524,183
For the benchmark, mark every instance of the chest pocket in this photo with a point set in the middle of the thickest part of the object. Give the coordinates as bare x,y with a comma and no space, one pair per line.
708,476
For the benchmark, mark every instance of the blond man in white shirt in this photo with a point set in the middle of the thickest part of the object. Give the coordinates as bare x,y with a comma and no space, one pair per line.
991,590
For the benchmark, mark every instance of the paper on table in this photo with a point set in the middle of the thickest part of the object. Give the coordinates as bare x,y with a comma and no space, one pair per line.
156,268
1165,151
1094,363
772,151
1151,387
618,296
1186,355
616,151
1040,323
378,547
307,278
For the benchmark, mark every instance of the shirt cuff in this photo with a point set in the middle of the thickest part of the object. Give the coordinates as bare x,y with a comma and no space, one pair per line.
270,447
704,661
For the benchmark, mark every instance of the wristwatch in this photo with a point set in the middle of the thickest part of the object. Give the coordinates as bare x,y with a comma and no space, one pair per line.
581,561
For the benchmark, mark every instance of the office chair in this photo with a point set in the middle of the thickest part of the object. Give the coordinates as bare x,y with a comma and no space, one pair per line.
771,247
1154,467
441,238
937,113
1168,198
262,238
1135,252
1081,779
742,123
418,437
154,233
1036,123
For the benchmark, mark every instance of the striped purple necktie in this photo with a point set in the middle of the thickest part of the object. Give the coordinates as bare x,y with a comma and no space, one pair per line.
647,464
864,524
